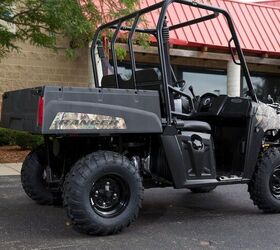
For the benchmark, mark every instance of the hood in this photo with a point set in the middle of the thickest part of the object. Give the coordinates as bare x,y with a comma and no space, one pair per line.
267,117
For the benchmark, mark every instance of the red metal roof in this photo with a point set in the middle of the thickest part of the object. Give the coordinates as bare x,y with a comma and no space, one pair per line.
270,2
258,26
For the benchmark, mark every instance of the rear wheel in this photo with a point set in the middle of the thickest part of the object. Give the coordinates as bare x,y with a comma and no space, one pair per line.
33,177
103,193
264,187
207,189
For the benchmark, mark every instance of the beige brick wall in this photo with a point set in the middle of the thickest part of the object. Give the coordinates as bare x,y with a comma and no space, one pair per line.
35,66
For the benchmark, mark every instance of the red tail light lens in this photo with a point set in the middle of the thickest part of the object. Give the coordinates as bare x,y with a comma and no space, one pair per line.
40,111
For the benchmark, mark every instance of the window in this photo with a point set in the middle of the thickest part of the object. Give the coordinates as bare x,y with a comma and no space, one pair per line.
213,81
203,81
265,85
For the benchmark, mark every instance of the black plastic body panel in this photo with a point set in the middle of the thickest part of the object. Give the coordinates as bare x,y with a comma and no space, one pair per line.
198,154
254,145
226,109
188,162
175,159
20,109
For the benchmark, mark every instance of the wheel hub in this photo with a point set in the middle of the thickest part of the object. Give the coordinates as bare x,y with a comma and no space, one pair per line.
275,183
109,195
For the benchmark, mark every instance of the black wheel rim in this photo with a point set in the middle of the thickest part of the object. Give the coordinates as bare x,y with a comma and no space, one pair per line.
109,195
275,183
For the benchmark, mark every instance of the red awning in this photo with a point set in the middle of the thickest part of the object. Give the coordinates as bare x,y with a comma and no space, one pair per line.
258,26
269,2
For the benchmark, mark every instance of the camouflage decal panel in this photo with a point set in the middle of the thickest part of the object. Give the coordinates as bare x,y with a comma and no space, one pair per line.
69,120
267,117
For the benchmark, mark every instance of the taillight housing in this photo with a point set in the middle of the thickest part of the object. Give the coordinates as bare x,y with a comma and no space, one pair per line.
40,111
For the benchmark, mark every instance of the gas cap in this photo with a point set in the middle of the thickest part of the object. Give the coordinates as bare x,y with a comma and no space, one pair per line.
197,142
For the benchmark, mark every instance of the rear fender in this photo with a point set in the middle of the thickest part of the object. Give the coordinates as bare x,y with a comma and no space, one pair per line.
84,117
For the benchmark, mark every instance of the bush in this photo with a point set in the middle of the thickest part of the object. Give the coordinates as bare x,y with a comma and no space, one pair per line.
7,137
28,141
22,139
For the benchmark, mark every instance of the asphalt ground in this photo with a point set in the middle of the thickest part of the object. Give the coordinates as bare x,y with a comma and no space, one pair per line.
169,219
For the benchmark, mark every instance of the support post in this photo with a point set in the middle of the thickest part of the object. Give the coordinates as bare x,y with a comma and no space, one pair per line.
233,79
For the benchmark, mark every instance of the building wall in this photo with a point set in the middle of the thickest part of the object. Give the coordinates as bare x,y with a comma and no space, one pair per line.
35,66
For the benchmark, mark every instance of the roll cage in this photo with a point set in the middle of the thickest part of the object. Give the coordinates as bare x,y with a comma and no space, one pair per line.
161,33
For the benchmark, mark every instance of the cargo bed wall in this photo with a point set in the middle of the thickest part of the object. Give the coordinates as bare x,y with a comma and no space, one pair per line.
83,111
20,110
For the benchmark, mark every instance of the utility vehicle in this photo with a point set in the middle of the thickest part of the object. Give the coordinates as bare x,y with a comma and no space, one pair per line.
104,145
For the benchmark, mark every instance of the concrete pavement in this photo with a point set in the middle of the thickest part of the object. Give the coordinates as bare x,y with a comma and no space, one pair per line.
10,169
170,219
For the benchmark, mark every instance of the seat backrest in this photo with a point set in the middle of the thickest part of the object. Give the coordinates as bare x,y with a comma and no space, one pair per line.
146,79
148,75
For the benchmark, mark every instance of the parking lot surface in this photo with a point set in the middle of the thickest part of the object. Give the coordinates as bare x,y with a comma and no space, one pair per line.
169,219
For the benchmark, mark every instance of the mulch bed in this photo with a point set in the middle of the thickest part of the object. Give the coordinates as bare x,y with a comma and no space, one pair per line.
12,154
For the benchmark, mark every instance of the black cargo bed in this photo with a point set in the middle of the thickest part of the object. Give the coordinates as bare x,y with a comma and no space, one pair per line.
81,110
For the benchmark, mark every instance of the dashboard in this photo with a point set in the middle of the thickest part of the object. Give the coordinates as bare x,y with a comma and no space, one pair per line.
223,106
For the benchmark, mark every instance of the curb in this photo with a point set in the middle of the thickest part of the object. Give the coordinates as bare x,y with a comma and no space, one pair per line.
10,169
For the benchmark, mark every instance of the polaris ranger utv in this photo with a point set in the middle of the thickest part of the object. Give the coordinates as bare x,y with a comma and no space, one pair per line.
104,145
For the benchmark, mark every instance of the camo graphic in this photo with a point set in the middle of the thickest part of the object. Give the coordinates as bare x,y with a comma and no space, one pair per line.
267,117
69,120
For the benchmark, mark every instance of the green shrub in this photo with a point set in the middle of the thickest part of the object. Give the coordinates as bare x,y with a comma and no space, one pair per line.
7,137
28,141
22,139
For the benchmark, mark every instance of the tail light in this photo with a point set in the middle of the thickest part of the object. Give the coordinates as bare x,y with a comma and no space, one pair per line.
40,112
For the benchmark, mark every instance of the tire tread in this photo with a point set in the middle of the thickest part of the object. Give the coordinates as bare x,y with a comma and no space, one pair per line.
81,169
30,165
256,187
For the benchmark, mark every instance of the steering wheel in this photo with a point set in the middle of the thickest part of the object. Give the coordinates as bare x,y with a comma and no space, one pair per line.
206,101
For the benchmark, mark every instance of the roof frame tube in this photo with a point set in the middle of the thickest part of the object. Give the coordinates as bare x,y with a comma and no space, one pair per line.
162,56
234,38
113,51
147,31
194,21
131,51
114,25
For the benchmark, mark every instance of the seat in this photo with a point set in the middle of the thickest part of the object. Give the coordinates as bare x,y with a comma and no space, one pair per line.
196,126
149,79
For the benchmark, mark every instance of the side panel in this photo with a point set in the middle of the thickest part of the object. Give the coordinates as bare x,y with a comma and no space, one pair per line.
97,118
101,111
254,143
190,158
198,152
175,159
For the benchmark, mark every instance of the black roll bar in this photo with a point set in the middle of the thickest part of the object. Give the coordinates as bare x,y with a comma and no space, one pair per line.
194,21
162,47
131,51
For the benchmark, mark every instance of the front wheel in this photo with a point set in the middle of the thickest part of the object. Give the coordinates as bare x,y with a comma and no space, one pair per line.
264,187
103,193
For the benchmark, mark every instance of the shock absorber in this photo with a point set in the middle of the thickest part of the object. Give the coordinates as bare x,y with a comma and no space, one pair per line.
165,32
166,46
